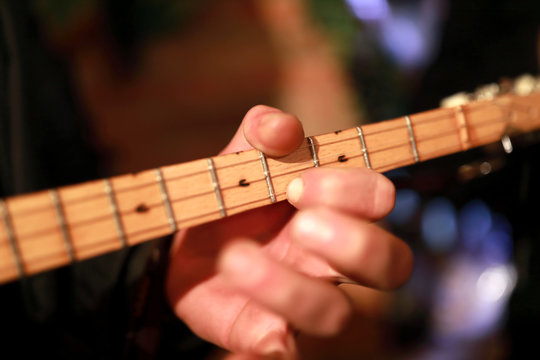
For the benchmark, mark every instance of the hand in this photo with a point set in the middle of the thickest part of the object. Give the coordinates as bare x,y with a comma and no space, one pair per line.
248,282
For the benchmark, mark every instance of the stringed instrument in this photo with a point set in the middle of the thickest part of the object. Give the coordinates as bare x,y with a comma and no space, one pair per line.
56,227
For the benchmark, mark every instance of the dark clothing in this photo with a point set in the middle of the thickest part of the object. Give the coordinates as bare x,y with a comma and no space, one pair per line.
107,307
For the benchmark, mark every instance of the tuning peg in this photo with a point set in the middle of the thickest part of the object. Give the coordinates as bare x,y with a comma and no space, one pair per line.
458,99
487,92
525,85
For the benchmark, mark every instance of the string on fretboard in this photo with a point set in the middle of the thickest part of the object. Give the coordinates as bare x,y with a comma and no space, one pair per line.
330,160
81,221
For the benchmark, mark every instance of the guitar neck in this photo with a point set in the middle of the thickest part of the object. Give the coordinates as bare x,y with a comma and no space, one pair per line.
49,229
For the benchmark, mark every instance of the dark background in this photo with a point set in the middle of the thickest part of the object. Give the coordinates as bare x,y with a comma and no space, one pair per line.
96,88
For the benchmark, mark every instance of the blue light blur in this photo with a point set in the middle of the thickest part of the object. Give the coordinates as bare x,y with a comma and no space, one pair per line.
497,246
471,299
369,9
404,40
439,225
475,285
474,222
407,205
407,31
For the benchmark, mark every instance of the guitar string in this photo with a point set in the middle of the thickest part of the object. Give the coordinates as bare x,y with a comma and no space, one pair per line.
287,171
99,243
29,236
416,122
342,140
93,244
130,188
255,160
276,175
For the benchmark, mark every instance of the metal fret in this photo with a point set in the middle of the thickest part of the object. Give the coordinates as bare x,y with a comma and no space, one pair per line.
267,177
463,128
62,223
114,208
217,190
313,151
166,200
11,238
364,148
411,138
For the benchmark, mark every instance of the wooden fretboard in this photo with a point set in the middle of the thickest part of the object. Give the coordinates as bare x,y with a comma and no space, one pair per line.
48,229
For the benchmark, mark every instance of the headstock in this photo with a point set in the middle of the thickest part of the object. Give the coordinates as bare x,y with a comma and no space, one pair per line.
518,99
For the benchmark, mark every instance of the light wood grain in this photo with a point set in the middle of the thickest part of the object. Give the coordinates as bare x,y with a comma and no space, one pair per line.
100,216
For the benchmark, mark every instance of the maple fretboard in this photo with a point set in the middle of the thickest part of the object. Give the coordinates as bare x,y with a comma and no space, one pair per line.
48,229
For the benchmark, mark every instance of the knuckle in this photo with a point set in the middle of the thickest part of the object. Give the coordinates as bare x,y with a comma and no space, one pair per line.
363,247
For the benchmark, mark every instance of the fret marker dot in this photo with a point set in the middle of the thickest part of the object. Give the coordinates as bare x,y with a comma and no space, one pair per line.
243,183
142,208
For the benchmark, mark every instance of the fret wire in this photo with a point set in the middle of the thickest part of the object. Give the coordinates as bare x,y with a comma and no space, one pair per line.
139,186
313,151
62,223
400,126
114,207
389,166
48,231
217,190
463,129
427,120
89,221
379,132
267,176
165,198
150,205
448,112
153,205
333,142
285,173
478,125
470,109
11,238
86,246
411,138
364,148
407,143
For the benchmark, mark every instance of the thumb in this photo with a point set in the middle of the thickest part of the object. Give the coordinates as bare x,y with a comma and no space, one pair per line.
269,130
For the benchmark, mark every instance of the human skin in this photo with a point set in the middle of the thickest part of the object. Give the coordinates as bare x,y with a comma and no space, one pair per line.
249,283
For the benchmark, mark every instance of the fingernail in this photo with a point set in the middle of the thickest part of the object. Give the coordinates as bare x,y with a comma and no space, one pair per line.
272,345
295,190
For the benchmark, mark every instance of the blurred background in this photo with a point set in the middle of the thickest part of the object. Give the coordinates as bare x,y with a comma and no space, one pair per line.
152,83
